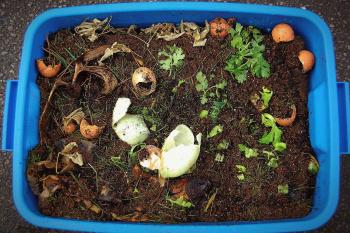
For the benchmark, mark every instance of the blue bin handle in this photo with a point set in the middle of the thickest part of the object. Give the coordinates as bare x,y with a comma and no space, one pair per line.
9,115
344,117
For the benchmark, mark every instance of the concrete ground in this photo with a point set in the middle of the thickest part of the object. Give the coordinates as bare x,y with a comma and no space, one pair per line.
15,15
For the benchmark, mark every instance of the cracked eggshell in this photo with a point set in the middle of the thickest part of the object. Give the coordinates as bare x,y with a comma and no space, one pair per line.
179,153
131,129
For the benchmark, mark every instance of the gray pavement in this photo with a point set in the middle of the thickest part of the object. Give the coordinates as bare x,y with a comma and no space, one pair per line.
16,15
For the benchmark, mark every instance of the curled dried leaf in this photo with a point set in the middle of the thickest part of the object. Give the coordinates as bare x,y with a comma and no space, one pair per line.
70,152
47,71
71,121
287,121
51,184
109,80
144,81
89,131
200,38
131,28
94,208
165,31
115,48
93,29
159,28
94,53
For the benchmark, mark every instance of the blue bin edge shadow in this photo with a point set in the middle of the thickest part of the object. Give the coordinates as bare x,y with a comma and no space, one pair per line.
29,210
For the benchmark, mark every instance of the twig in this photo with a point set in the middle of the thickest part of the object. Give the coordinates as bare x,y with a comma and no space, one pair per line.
95,175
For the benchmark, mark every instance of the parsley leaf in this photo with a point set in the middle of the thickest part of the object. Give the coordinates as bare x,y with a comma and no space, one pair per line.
174,58
248,55
216,108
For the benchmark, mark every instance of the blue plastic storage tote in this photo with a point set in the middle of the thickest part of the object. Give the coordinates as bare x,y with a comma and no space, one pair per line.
328,106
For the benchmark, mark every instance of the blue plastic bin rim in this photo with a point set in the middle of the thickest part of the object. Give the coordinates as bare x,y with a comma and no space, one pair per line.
70,224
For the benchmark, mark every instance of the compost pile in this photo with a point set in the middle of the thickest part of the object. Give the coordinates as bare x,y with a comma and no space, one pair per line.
173,123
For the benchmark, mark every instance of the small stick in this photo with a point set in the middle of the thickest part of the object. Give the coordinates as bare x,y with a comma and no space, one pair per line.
95,175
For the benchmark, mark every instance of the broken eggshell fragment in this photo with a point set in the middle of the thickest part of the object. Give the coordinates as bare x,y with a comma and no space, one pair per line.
130,128
89,131
71,122
144,81
178,155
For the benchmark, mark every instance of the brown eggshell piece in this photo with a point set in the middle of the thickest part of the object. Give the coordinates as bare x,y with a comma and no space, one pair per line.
282,33
307,59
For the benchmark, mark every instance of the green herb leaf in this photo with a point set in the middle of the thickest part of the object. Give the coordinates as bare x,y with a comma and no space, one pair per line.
241,177
223,145
266,96
275,134
273,163
283,189
202,82
180,82
174,58
219,157
248,152
180,202
248,55
216,108
280,146
241,168
203,114
215,131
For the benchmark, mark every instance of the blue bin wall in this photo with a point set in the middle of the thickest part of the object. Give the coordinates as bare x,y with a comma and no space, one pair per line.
323,111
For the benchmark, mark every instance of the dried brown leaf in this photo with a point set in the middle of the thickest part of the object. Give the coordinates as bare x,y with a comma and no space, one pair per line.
115,48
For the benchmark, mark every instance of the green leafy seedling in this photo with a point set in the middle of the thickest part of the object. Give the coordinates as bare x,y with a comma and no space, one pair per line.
219,157
248,152
274,136
174,58
273,163
203,114
241,168
248,56
283,189
180,202
181,82
217,129
240,177
266,96
216,108
202,86
223,145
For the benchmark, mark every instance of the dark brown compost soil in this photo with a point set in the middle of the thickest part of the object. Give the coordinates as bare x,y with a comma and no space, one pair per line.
134,194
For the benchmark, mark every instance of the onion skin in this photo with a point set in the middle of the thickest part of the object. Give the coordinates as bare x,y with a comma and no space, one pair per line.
47,71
